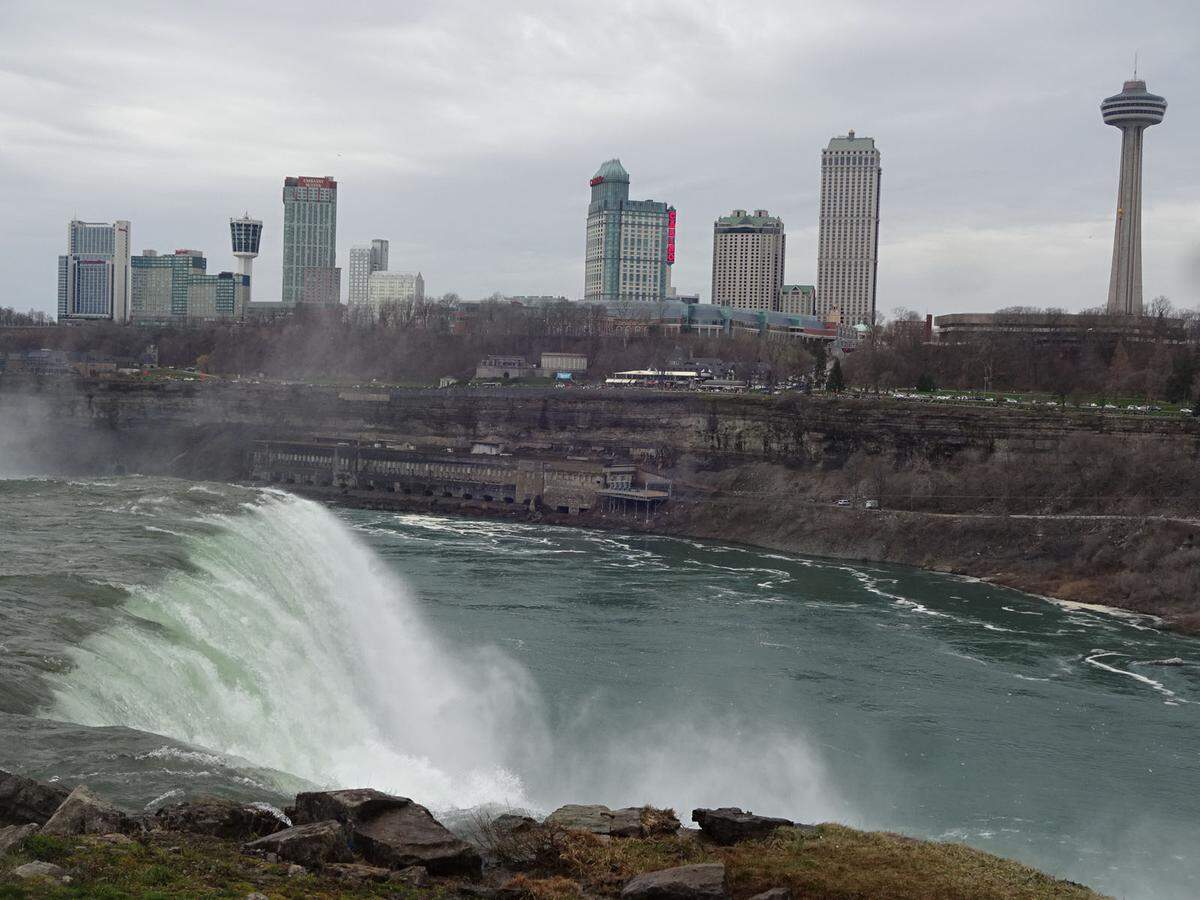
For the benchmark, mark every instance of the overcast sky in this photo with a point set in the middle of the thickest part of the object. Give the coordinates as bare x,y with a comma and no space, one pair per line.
466,132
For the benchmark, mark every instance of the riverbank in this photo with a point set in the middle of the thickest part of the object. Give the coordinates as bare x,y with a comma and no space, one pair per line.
1074,504
363,843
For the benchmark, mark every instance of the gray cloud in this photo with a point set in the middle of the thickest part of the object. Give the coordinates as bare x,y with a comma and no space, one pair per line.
465,132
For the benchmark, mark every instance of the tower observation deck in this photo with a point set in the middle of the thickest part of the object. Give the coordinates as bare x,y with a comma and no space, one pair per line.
1133,111
246,234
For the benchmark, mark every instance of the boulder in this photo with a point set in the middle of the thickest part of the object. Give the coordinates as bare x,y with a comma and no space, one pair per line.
11,836
626,822
728,825
348,806
220,818
23,800
85,813
632,821
780,893
582,817
39,869
392,831
309,845
357,873
413,876
700,882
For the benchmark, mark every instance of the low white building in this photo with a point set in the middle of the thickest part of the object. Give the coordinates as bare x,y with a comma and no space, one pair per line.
384,288
553,363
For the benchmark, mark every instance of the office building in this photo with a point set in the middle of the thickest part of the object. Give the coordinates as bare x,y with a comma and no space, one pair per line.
391,288
630,243
1133,111
246,235
363,261
310,273
748,254
160,284
94,276
175,287
798,300
848,237
220,297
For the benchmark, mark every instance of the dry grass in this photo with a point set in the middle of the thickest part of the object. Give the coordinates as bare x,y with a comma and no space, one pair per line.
835,863
844,863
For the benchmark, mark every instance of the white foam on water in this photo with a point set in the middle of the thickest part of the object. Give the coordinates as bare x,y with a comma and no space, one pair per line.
1097,655
287,643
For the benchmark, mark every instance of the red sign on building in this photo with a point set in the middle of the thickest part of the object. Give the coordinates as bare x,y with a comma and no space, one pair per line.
670,237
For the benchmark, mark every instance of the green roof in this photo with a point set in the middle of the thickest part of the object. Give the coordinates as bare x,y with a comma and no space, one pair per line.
612,170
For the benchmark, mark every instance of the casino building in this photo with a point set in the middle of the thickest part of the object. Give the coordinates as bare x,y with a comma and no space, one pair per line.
630,243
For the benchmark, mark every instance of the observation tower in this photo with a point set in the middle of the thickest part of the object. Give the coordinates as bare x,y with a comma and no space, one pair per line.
246,234
1133,111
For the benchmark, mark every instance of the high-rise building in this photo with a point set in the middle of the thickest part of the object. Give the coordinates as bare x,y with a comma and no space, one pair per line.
310,273
748,253
848,238
175,287
94,276
218,297
363,261
798,300
379,255
246,234
160,284
630,243
1133,111
389,288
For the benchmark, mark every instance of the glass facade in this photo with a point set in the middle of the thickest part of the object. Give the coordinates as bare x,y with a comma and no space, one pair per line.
94,275
161,282
630,243
309,239
246,234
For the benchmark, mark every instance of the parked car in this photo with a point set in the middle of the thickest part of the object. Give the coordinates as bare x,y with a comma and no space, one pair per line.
843,503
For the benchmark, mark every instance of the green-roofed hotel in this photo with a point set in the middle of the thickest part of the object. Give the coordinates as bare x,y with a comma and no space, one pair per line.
630,243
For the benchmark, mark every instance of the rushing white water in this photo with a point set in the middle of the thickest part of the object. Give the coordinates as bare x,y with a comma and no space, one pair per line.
286,641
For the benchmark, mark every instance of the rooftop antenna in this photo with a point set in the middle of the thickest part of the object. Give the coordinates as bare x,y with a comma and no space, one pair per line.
1135,56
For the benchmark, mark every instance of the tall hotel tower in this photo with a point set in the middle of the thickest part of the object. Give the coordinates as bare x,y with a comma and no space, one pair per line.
1133,111
246,234
848,241
94,278
310,272
363,261
630,243
748,253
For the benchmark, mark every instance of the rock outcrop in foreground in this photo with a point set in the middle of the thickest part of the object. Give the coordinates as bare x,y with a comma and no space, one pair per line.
365,843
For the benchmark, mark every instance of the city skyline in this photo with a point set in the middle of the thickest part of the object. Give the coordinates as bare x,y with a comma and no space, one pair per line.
967,192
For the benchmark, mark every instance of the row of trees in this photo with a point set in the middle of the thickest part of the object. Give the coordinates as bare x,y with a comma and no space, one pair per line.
10,318
1093,362
437,337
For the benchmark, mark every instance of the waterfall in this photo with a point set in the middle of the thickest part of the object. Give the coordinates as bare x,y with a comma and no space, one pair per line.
287,642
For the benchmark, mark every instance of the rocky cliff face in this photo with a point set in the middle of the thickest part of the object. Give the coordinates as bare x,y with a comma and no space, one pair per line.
200,428
1085,506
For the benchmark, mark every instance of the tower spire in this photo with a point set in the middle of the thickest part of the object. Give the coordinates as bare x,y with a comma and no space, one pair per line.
1133,111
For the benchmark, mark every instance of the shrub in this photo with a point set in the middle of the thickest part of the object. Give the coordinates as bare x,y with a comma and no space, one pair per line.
48,847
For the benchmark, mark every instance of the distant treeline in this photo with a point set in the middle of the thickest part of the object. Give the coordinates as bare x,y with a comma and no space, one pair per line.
416,346
423,342
1090,363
